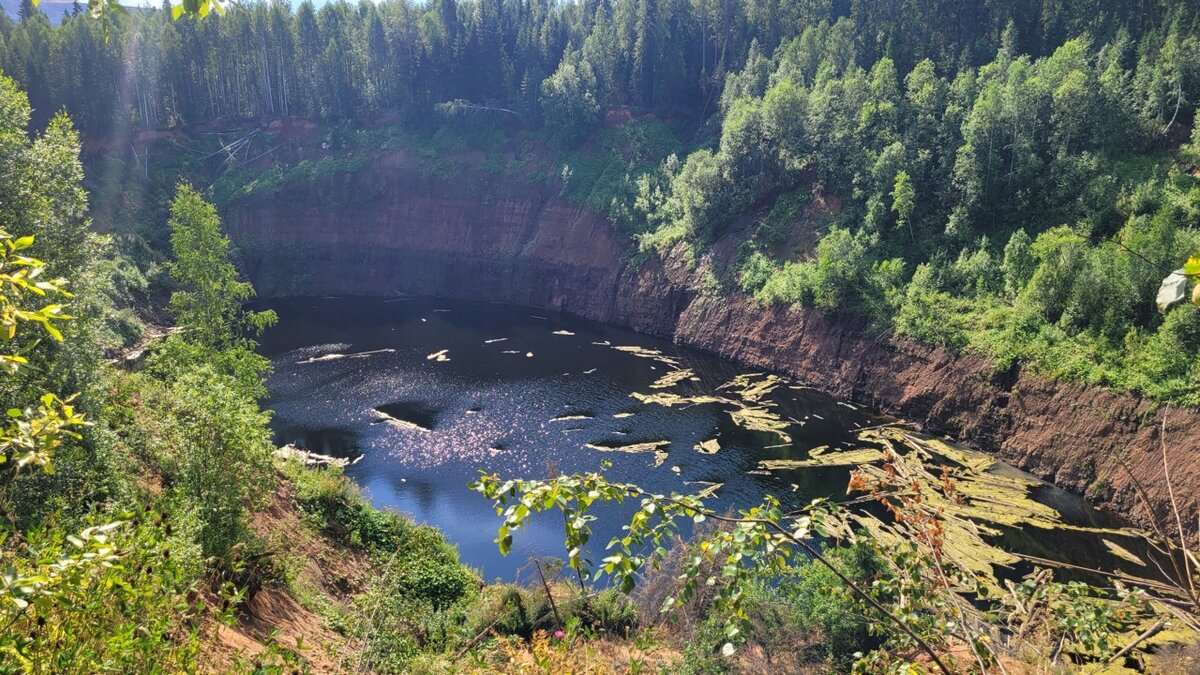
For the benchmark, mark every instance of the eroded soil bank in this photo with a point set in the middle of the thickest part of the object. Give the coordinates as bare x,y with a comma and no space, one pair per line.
393,228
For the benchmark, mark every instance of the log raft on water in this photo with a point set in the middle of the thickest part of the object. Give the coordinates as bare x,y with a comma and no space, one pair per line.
309,458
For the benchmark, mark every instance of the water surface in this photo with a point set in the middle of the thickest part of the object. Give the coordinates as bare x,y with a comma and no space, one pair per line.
428,392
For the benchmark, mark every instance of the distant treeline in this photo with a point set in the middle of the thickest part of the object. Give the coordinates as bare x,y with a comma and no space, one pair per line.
538,59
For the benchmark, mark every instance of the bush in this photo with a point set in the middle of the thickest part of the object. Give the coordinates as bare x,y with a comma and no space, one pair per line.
754,272
1008,333
222,464
790,285
1164,364
842,265
568,99
417,603
975,273
609,611
929,314
784,215
884,292
207,442
820,602
702,654
336,506
428,571
504,608
418,598
1018,264
115,597
1059,253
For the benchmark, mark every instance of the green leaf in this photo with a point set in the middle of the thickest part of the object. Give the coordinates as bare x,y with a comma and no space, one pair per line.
1192,267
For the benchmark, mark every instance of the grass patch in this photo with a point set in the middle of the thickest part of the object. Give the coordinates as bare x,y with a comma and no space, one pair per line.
245,183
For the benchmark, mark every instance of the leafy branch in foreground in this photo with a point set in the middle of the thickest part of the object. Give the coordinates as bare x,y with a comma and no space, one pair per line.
936,601
758,539
54,592
30,435
65,602
20,277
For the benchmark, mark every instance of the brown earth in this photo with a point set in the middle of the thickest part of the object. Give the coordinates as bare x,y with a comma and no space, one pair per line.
325,571
395,229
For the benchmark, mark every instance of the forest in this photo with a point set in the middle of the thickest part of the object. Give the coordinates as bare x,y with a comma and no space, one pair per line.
1010,180
1004,172
557,63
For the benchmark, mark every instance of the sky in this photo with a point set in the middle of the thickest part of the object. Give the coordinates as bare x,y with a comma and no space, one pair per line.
55,8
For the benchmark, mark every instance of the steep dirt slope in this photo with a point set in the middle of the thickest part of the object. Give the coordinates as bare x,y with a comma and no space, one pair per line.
325,571
393,229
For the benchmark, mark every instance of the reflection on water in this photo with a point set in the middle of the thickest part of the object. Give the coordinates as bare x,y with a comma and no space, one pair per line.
432,391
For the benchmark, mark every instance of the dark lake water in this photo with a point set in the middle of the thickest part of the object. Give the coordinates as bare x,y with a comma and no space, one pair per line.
522,392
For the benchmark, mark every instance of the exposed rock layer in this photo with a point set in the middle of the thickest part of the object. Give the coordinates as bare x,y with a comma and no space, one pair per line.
394,229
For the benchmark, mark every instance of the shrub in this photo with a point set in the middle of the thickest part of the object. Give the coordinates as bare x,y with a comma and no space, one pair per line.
1059,253
222,463
336,506
929,314
702,654
841,269
428,570
784,215
820,602
114,597
608,611
1008,333
700,195
790,285
884,291
504,608
420,595
619,174
568,99
1164,364
755,271
975,273
1018,264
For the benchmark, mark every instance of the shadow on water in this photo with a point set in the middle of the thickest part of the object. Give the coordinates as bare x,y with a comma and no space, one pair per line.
415,413
333,442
